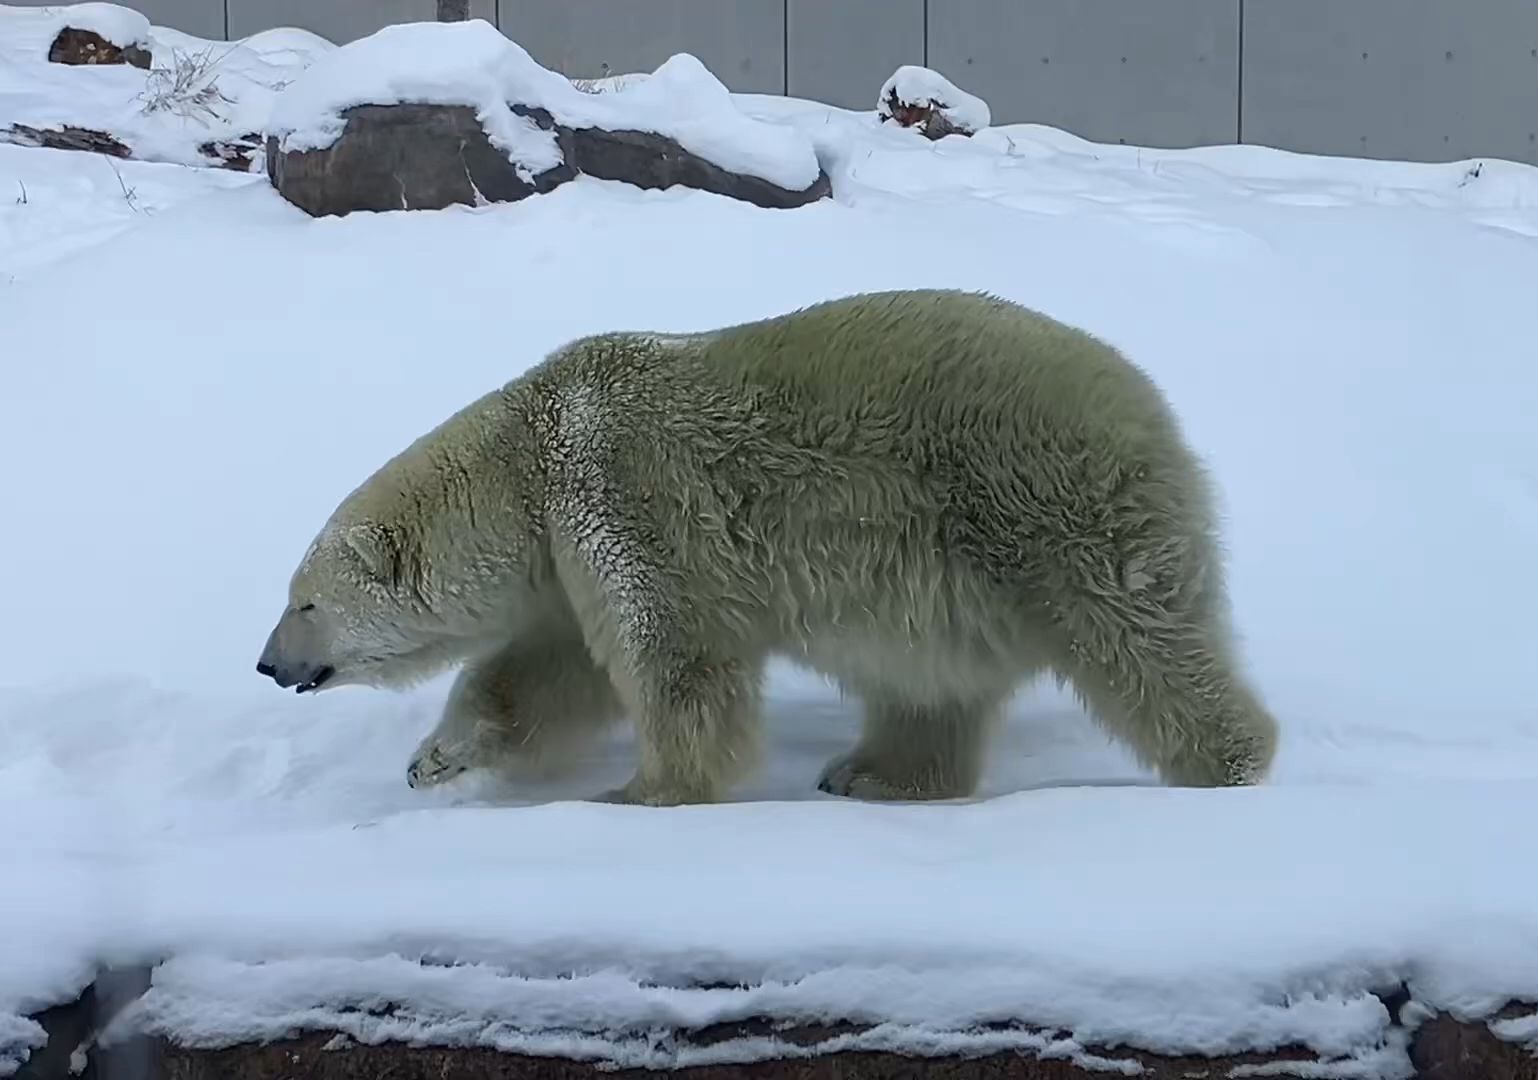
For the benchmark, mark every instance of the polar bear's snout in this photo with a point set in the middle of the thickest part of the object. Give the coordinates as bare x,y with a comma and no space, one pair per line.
289,657
301,679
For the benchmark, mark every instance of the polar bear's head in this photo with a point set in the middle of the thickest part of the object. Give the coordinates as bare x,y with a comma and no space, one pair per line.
430,561
360,610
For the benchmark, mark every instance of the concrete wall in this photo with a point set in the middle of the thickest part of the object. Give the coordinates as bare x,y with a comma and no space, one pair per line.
1152,72
741,41
1420,79
841,51
1423,79
337,20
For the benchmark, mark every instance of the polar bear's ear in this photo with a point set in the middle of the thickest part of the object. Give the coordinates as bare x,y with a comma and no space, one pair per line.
379,549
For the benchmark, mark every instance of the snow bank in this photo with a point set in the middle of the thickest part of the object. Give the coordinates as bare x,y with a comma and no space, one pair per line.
235,367
916,85
472,63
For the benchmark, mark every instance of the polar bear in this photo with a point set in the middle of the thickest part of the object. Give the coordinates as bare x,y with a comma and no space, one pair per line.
929,496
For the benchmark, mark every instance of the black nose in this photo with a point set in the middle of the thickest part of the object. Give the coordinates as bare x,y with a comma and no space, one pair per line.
268,670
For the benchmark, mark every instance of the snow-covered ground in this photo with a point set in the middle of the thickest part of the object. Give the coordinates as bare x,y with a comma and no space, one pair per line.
194,372
196,91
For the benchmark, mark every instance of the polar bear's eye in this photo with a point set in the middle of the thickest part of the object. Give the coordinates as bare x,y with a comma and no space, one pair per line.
306,607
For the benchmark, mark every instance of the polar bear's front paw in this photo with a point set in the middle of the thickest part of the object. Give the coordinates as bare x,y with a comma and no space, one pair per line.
436,763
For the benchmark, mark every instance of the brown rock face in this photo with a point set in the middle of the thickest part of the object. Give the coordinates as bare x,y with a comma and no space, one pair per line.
924,116
1440,1048
1445,1049
74,46
427,157
1481,1056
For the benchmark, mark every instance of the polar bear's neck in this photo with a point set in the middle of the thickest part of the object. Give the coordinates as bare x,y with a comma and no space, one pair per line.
462,498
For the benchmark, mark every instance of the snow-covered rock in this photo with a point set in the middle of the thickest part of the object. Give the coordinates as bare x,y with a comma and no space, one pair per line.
922,98
96,33
379,124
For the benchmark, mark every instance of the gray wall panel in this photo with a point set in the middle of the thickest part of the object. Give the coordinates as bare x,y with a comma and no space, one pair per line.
339,20
202,18
1154,72
741,41
841,52
1419,79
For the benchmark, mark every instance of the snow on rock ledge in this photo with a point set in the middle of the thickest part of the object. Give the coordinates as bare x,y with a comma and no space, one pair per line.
378,124
919,97
98,34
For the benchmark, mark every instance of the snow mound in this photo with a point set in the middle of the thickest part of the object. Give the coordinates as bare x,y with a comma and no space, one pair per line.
922,86
472,63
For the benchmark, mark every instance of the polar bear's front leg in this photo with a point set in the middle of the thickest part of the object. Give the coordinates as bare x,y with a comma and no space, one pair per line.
695,699
531,705
696,724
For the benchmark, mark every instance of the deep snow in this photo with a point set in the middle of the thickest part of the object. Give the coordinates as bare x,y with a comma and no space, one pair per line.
196,373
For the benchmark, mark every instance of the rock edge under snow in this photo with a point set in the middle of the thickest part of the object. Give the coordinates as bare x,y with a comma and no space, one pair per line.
105,1029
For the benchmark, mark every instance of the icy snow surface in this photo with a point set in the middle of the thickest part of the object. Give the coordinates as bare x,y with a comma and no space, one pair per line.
193,379
472,63
924,86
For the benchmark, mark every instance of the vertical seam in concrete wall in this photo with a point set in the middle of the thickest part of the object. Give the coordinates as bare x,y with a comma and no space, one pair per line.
1239,90
785,48
226,6
925,61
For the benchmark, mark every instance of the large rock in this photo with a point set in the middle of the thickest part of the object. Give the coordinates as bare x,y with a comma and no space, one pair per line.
404,157
427,115
427,157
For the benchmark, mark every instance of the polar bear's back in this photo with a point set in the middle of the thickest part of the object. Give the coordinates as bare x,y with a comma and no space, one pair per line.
944,368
